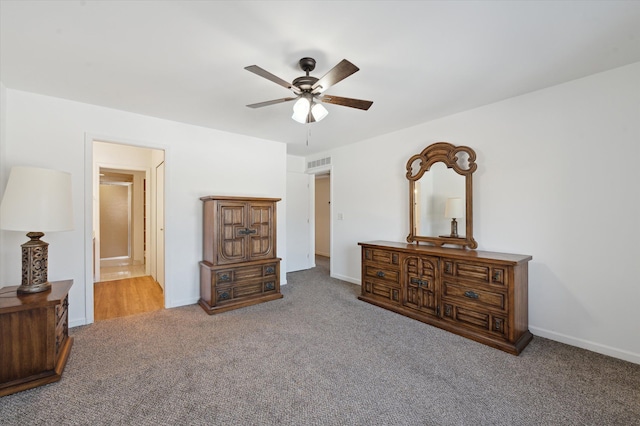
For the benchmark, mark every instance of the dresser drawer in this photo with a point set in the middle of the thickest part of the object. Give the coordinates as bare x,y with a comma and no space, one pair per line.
484,273
383,257
476,318
381,291
459,292
388,275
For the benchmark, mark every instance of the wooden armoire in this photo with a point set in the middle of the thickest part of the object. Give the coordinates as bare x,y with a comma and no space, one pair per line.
240,267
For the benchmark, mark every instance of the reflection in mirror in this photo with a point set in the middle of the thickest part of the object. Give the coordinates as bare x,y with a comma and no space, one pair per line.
431,193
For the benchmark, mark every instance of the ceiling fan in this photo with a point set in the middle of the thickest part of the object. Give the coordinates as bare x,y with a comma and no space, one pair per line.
310,90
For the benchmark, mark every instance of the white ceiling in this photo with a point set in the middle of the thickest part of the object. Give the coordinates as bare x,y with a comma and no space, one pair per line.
418,60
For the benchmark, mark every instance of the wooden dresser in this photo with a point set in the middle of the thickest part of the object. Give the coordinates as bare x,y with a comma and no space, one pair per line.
479,295
34,337
240,267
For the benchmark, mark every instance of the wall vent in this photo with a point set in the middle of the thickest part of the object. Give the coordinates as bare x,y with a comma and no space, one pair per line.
318,163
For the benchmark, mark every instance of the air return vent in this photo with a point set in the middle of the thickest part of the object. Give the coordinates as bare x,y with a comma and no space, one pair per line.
318,163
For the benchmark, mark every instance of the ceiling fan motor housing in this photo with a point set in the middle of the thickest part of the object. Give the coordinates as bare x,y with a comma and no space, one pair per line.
307,64
305,82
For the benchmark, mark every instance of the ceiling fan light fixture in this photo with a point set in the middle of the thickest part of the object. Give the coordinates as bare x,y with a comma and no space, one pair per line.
301,110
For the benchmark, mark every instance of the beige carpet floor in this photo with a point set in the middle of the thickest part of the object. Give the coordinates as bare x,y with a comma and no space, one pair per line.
319,356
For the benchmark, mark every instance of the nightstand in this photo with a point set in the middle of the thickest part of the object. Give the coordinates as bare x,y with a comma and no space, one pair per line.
34,337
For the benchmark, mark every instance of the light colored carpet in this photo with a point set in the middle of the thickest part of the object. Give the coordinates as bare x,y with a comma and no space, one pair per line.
319,356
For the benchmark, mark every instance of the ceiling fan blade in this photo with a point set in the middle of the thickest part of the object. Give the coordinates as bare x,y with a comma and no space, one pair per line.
349,102
273,102
336,74
266,74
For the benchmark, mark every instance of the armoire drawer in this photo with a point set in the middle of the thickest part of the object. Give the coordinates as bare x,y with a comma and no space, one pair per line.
245,290
226,276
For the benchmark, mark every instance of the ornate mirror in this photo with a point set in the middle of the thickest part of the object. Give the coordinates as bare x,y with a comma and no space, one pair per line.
441,195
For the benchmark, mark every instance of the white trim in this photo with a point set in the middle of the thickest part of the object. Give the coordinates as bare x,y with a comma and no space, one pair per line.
347,279
586,344
312,215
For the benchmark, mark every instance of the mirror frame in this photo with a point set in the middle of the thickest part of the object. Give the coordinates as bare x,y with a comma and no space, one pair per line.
448,154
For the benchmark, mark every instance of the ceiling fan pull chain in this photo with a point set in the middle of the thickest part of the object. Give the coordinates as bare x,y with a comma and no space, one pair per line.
308,132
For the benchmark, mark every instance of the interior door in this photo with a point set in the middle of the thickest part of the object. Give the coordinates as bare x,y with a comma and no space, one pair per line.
160,224
298,221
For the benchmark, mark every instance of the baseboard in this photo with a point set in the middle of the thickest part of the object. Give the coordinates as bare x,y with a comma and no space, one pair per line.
181,302
77,322
321,253
345,278
586,344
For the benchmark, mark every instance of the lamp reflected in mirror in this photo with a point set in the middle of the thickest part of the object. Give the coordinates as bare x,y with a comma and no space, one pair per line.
454,209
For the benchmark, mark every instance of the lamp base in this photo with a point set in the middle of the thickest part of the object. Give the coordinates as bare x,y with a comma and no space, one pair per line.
28,289
454,228
34,265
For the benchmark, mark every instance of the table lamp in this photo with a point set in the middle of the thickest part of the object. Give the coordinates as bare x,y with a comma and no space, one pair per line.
454,208
36,201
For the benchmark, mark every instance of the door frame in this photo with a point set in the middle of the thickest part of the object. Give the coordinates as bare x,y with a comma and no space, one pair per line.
312,214
89,196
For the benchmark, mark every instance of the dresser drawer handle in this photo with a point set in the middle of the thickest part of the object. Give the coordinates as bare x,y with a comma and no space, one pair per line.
420,282
271,270
380,274
225,277
471,294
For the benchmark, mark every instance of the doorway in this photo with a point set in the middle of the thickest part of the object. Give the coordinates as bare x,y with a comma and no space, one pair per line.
128,273
323,219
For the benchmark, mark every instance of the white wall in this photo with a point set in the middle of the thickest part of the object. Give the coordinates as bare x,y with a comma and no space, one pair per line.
49,132
557,179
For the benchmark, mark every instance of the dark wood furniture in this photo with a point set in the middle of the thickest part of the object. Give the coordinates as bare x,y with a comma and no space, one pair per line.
476,294
34,337
460,159
240,267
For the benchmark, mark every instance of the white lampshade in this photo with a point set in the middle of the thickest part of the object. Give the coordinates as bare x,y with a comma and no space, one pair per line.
454,208
301,110
319,112
37,200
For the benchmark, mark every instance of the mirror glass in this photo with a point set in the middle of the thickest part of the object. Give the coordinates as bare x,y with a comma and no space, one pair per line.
432,191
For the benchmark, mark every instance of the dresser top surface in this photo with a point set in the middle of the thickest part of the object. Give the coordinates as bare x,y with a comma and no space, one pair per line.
237,198
9,299
454,253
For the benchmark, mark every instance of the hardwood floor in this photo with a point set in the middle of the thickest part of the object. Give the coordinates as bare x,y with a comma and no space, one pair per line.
130,296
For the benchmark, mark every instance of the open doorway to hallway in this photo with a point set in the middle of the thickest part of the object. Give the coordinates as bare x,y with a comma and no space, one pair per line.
323,219
128,230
